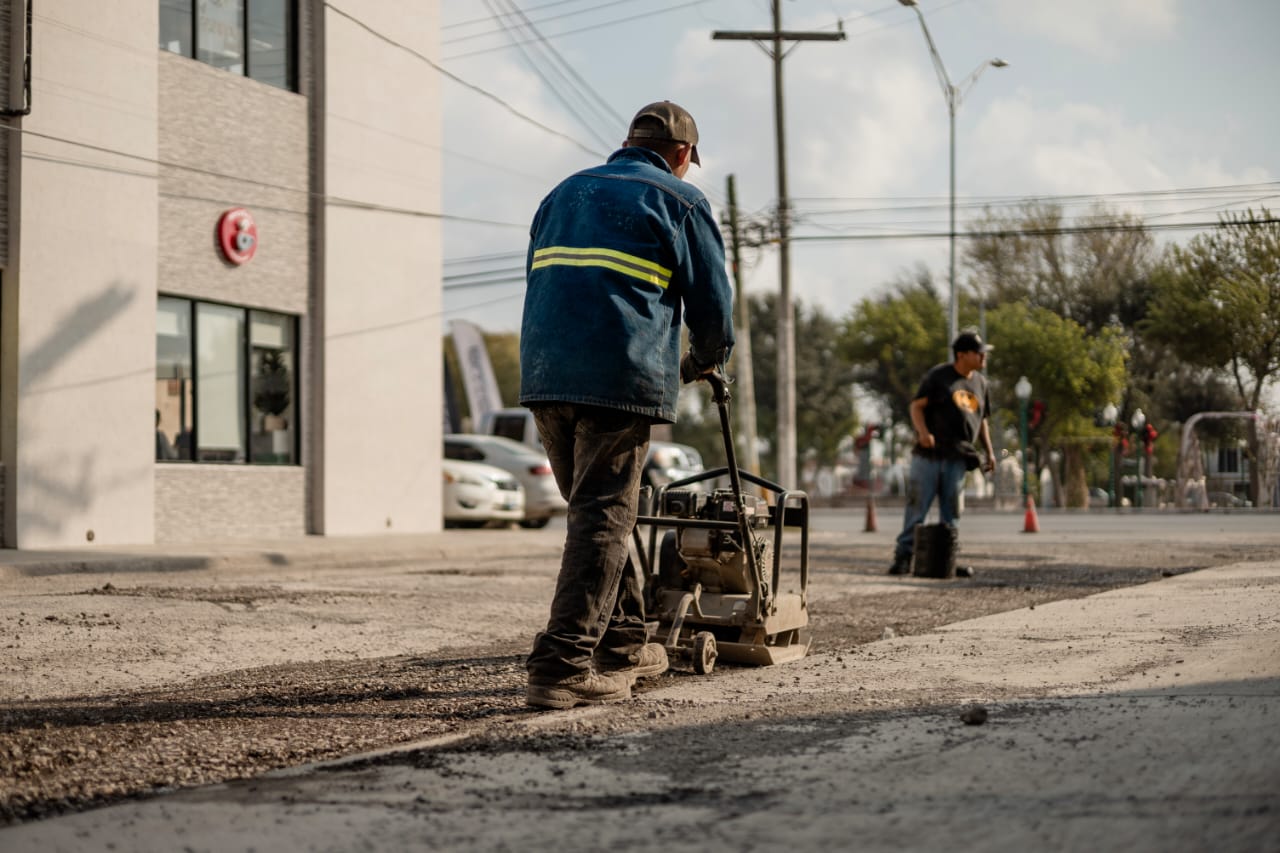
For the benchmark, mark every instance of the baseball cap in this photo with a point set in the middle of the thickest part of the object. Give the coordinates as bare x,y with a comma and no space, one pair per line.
665,121
970,342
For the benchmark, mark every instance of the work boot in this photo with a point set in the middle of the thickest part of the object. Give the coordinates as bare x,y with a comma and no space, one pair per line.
901,565
587,688
651,659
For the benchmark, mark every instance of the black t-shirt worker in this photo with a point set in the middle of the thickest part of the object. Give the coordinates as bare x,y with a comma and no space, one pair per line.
949,415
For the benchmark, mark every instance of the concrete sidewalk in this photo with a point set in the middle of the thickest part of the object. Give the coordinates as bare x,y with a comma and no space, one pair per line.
318,552
1144,719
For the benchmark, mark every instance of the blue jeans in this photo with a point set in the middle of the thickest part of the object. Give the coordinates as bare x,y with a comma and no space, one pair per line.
597,455
929,479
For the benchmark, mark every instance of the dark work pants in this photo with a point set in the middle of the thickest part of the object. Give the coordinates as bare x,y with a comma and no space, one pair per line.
597,455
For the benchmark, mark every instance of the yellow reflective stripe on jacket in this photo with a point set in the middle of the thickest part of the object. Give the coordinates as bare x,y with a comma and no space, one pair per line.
631,265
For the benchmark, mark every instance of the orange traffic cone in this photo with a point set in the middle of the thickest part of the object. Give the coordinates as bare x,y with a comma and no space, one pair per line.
871,526
1030,524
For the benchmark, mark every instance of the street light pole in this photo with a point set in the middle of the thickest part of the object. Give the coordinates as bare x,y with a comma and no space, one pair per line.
1138,421
1109,415
1022,390
953,95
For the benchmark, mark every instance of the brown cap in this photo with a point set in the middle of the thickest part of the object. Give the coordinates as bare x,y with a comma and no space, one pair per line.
666,121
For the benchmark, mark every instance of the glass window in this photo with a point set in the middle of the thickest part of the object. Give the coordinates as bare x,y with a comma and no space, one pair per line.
272,389
174,409
269,38
220,34
175,27
220,418
226,384
253,37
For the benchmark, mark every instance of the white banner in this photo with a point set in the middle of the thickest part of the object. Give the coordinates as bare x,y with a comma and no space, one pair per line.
478,380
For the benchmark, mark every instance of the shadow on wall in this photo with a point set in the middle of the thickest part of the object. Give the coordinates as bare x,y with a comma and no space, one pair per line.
62,486
73,331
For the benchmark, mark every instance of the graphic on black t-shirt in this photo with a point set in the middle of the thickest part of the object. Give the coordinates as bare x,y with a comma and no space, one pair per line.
966,400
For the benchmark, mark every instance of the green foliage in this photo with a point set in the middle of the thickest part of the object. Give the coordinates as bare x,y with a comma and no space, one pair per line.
504,355
1073,372
1217,302
1095,271
892,340
824,390
824,378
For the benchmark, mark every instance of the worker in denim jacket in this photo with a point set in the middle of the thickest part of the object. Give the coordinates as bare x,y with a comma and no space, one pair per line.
619,255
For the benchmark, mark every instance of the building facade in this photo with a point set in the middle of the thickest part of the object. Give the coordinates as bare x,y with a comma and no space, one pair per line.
219,270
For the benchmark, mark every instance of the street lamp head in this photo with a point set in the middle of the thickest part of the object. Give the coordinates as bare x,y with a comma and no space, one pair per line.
907,2
1022,389
999,63
1138,420
1109,413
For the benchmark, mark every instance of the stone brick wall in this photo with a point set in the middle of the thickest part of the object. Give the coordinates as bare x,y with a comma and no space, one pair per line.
6,63
228,141
211,502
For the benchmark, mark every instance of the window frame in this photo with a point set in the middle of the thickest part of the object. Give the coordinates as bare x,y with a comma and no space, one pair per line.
291,20
246,345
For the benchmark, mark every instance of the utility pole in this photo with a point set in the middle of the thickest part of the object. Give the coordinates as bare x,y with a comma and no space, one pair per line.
785,447
742,346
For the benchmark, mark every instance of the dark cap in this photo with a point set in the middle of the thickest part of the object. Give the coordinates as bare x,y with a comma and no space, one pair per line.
970,342
668,122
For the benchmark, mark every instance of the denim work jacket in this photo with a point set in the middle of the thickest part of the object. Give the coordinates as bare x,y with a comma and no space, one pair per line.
616,254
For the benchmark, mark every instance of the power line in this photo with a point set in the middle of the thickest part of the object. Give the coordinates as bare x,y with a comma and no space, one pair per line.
336,201
523,14
591,95
1115,227
499,256
466,285
588,28
571,90
455,78
977,201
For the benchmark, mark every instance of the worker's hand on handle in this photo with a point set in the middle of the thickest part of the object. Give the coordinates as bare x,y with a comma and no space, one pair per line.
691,371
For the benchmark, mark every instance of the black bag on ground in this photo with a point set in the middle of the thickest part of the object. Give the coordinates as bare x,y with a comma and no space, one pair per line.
935,551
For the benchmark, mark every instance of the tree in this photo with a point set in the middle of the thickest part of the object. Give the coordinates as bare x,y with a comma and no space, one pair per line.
504,355
1217,305
824,382
1072,372
1217,302
1095,271
893,339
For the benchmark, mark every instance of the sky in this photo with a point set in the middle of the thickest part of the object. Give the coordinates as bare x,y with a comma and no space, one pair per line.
1161,108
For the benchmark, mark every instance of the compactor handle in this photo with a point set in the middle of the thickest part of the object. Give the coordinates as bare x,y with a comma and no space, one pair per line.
719,386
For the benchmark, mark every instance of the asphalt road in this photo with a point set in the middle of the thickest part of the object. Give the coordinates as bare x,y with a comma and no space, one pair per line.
1143,718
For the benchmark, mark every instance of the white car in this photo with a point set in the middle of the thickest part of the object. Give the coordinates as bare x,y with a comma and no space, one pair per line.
668,462
542,498
476,495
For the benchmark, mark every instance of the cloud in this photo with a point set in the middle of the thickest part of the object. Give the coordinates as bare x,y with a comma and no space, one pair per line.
1018,148
1100,27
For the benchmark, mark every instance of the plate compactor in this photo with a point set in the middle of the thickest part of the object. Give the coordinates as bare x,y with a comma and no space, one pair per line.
713,575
